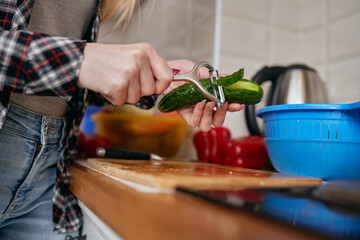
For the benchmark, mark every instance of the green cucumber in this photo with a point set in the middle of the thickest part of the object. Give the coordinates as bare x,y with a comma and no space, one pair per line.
236,90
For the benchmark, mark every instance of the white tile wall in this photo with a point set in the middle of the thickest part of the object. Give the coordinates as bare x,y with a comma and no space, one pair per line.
247,9
312,14
229,64
202,10
285,13
201,39
344,37
344,80
284,47
241,37
312,49
338,9
325,34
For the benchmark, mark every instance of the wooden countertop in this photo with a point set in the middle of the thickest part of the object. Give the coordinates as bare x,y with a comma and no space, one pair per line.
136,215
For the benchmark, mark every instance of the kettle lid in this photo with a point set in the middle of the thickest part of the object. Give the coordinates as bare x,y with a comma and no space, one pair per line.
300,66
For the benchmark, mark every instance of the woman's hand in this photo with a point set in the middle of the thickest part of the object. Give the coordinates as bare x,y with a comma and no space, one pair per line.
202,114
124,73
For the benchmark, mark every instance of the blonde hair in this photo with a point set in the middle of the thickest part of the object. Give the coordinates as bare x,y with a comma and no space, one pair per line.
121,10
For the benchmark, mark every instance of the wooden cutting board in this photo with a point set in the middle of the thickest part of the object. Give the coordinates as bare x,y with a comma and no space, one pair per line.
196,175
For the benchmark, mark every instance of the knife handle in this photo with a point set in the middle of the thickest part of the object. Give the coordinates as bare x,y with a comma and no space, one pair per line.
122,153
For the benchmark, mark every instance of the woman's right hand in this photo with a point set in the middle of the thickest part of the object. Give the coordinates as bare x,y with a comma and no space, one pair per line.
124,73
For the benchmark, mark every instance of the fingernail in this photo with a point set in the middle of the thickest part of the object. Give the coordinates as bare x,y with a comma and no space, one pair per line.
176,71
202,104
225,105
211,105
238,108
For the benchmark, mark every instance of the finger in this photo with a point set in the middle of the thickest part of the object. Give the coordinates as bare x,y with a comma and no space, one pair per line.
219,116
196,115
117,93
183,64
147,82
133,91
223,74
186,113
107,98
114,101
235,107
163,76
207,117
203,73
160,69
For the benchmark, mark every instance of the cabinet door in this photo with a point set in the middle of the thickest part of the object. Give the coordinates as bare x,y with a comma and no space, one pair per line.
94,228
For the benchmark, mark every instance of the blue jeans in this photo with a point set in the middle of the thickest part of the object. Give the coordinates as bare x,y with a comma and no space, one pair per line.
30,147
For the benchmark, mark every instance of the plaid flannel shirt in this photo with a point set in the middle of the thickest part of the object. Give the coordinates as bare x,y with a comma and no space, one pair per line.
34,63
40,64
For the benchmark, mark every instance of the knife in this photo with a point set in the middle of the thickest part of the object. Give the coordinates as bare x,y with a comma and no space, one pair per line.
126,154
132,155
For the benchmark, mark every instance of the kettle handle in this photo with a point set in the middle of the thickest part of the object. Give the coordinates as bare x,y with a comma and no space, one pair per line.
265,74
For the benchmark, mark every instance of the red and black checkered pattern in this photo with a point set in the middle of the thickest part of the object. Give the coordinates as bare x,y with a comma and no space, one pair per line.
34,63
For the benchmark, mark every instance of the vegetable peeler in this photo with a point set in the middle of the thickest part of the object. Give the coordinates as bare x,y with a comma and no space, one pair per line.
218,97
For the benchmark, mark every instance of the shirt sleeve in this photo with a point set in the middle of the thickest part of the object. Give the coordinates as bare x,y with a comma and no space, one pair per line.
33,63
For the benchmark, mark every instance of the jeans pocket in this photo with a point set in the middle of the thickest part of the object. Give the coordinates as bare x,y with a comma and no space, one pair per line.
19,154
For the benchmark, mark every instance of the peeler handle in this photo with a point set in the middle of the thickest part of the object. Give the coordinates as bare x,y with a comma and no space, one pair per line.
125,154
193,78
121,153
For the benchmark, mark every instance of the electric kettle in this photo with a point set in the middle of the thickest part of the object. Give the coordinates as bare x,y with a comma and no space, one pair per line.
289,85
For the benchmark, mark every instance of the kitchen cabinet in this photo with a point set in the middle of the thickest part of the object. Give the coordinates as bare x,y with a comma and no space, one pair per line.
94,228
132,214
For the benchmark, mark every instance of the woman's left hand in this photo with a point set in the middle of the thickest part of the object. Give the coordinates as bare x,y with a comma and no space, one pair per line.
202,114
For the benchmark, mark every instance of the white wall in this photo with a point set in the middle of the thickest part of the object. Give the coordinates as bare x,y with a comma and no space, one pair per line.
324,34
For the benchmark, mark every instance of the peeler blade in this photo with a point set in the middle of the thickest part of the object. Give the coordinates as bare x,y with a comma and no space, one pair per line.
192,77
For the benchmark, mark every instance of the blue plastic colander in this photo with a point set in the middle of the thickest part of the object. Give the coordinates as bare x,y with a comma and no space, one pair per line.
316,140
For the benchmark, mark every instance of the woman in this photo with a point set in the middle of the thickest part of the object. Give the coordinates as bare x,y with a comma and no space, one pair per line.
49,71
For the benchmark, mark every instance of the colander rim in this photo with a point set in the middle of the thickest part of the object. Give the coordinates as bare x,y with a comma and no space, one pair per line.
307,106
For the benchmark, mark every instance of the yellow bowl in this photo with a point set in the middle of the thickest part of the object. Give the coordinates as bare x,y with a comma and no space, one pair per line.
162,134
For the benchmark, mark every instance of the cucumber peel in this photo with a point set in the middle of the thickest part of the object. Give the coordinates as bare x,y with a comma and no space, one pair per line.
230,79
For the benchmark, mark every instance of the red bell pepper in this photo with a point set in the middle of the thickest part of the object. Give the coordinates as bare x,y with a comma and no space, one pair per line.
219,136
89,143
210,145
216,146
249,152
203,146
